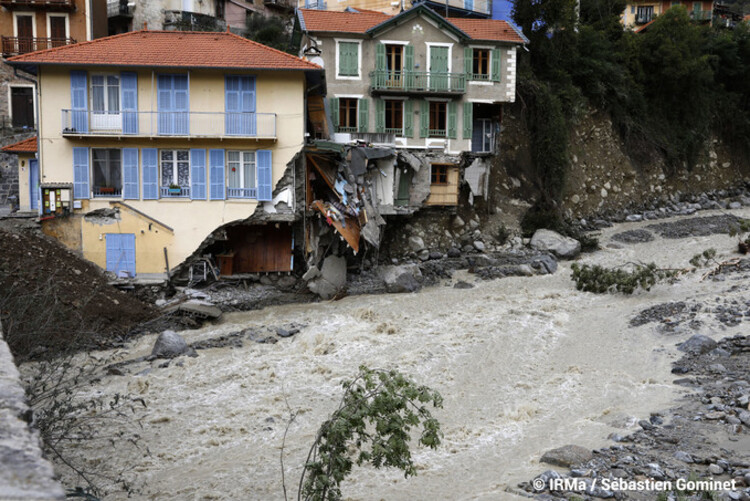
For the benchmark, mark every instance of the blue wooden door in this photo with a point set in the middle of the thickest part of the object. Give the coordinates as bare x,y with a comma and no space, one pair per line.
121,253
173,105
34,184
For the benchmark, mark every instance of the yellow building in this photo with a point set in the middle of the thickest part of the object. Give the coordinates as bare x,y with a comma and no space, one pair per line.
639,13
150,140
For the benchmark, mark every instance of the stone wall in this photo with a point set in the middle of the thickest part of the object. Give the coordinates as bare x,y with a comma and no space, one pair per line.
9,169
24,473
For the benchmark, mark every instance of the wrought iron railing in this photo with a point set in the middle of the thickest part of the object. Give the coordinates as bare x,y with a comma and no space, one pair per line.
163,123
37,4
181,192
417,81
242,193
13,46
701,15
106,191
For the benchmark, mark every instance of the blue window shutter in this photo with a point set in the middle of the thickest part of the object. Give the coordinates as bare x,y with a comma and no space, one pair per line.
164,104
79,101
216,166
120,252
247,100
130,173
232,104
150,160
129,102
181,100
264,161
240,105
80,172
198,174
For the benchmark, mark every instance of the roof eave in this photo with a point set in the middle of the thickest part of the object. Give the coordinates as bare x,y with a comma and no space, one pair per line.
415,11
169,67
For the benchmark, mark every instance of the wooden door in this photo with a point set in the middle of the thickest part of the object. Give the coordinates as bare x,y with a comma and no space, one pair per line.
58,31
25,33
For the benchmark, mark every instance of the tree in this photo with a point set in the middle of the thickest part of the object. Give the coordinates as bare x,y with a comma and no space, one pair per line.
379,409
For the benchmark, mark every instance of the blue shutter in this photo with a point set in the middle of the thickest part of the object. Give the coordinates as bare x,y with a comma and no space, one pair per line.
80,172
150,161
121,252
216,165
79,101
164,104
181,101
198,174
263,160
231,104
130,173
240,105
129,102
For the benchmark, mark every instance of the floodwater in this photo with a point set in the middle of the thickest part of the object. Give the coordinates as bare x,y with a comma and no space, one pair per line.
524,365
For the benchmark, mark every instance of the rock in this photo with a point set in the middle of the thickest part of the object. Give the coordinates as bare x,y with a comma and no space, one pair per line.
545,478
646,425
454,252
286,283
201,309
567,456
735,205
561,246
634,218
479,245
436,255
404,278
416,243
281,332
715,469
424,255
458,222
697,345
683,456
744,416
169,344
463,285
332,278
311,273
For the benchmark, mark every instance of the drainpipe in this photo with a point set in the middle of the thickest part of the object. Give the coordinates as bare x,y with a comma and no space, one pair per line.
37,98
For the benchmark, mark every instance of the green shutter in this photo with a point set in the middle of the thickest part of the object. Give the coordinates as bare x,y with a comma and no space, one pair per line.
468,120
496,65
408,119
379,116
380,57
333,103
452,107
348,58
468,62
409,58
363,107
424,119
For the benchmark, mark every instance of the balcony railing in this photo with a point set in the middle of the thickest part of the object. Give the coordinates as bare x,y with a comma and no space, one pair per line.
438,133
38,4
118,8
13,46
644,18
701,15
418,82
167,192
398,131
106,192
168,124
242,193
455,6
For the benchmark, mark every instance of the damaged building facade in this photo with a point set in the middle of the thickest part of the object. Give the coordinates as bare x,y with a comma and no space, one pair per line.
149,141
413,110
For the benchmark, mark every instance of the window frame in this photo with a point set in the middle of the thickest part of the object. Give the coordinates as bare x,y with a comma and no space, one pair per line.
95,189
430,130
184,190
339,76
64,15
439,174
348,128
402,128
243,191
644,8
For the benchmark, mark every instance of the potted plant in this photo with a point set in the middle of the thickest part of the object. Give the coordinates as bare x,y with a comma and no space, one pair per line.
174,189
106,190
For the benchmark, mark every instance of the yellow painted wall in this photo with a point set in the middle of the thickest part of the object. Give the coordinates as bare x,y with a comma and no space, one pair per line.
445,194
24,190
277,92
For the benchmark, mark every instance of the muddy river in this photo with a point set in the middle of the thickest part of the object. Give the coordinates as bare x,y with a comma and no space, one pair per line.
524,365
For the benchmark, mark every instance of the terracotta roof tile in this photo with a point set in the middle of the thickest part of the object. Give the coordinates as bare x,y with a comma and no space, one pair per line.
25,146
344,22
169,49
487,29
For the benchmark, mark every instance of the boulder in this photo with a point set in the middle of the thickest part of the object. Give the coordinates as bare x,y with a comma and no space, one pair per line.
416,243
404,278
559,245
200,309
567,456
697,345
332,278
169,344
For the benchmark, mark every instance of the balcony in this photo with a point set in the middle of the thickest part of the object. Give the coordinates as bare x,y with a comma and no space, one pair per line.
58,5
417,82
183,20
701,15
119,8
462,8
242,193
169,124
13,46
106,192
181,192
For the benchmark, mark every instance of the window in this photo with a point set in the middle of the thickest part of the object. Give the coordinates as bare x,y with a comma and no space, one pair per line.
394,117
107,172
241,175
439,174
437,119
175,173
481,65
57,28
394,60
644,15
348,59
22,106
347,115
105,102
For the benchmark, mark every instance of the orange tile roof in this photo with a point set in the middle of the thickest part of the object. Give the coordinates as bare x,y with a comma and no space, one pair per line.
487,29
25,146
345,22
187,49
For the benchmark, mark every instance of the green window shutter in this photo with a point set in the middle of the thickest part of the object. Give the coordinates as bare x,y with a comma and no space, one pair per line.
379,116
409,58
452,107
408,119
380,57
496,65
468,120
424,119
348,58
363,108
333,103
468,62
